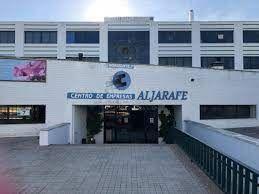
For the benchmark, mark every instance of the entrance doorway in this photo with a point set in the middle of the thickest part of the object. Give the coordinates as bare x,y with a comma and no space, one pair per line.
130,124
123,124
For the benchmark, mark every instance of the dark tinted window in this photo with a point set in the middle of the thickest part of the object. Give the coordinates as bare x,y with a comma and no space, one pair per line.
216,36
92,59
22,114
251,36
128,47
41,37
7,37
89,59
227,111
89,37
174,37
176,61
251,62
217,62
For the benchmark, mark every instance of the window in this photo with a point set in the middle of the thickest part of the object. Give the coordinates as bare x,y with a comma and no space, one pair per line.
217,37
92,59
22,114
128,47
7,37
174,37
227,111
41,37
217,62
176,61
251,36
251,62
89,59
83,37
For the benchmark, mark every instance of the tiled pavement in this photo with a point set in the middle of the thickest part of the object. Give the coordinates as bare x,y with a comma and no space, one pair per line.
111,169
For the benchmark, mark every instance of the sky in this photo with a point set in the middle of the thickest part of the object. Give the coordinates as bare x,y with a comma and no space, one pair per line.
96,10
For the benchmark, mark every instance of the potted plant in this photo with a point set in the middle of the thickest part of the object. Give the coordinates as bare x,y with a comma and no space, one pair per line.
94,123
167,121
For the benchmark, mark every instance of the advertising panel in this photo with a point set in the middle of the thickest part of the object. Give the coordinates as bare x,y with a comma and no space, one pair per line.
23,70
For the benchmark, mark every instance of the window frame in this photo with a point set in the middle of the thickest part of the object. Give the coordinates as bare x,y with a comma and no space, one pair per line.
205,39
250,60
87,59
84,34
223,59
224,108
174,61
249,41
163,39
37,114
137,42
31,39
10,37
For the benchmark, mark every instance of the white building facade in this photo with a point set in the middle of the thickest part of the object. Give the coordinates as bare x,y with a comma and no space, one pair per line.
206,71
235,39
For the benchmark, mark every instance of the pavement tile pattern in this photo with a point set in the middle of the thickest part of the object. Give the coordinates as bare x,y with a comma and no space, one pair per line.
110,169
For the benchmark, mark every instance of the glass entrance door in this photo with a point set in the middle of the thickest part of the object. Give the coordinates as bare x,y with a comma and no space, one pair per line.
130,124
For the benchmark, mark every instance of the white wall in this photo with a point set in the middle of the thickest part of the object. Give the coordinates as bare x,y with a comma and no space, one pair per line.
178,116
57,134
79,124
19,130
99,138
61,50
209,87
239,147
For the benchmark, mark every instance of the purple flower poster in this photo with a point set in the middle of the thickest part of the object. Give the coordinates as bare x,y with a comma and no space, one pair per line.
23,70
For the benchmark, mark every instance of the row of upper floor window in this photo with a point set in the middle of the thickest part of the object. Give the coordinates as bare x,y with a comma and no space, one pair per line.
227,36
250,62
92,37
50,37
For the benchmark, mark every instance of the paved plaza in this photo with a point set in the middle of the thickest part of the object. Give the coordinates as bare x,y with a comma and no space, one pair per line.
110,169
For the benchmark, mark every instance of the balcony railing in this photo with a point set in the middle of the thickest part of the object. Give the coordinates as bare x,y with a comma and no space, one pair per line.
231,176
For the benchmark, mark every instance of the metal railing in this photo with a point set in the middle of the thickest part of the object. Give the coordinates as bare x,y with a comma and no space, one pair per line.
230,176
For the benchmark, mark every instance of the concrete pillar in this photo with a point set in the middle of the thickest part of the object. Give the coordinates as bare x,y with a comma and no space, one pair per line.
153,43
238,40
19,39
104,42
196,42
61,47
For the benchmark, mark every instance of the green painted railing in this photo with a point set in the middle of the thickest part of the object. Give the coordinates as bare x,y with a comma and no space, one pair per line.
230,176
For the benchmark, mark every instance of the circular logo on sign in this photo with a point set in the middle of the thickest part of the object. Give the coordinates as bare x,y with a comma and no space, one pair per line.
121,80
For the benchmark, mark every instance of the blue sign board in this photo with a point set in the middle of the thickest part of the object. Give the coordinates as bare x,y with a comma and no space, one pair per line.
143,95
75,95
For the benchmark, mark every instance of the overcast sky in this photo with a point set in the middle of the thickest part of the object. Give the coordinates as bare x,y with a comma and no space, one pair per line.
95,10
